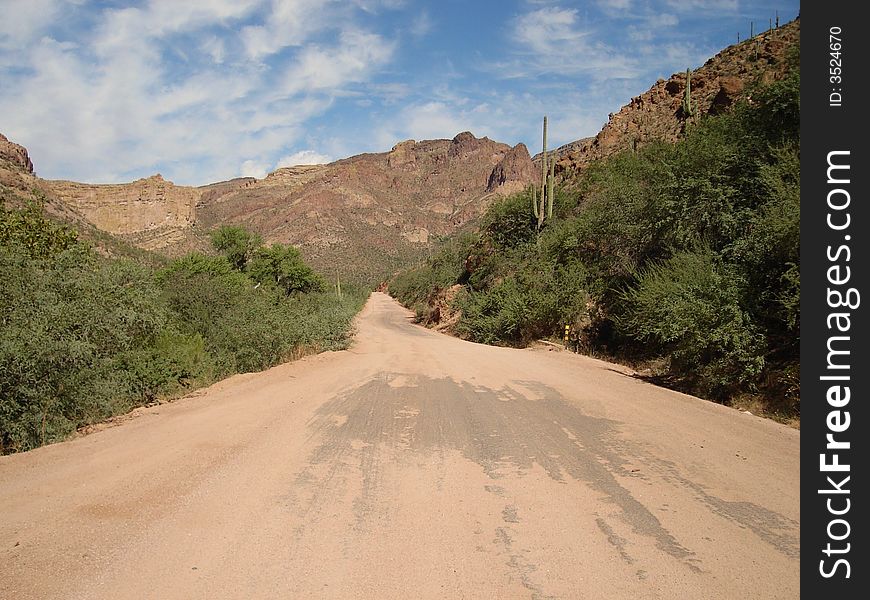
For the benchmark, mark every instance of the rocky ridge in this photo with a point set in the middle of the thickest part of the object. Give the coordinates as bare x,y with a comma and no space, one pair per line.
14,156
154,211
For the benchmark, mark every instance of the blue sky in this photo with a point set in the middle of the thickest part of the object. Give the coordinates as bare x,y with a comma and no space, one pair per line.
205,90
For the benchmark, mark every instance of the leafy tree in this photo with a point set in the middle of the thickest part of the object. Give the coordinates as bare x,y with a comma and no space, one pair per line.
236,243
283,267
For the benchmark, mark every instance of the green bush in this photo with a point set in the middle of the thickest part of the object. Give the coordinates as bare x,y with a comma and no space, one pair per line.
510,222
29,232
690,307
415,287
85,337
65,321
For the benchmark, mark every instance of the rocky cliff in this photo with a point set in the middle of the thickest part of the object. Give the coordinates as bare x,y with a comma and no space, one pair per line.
13,156
155,211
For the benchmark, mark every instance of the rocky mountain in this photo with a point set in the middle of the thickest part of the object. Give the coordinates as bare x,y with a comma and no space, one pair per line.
657,114
361,216
153,213
375,208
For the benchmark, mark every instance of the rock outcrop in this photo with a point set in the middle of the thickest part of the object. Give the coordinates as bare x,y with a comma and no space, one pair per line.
15,156
157,212
513,172
375,208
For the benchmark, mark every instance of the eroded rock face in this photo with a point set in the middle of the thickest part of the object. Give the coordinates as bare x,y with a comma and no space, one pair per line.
14,155
153,209
402,154
657,113
513,172
384,205
17,181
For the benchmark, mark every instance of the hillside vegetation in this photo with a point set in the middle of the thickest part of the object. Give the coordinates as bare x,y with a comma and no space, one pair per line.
681,257
85,337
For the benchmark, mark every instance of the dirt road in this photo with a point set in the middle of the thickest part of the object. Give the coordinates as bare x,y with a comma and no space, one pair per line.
413,465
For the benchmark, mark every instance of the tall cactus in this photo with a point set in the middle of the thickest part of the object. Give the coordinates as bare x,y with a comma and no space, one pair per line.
688,109
545,210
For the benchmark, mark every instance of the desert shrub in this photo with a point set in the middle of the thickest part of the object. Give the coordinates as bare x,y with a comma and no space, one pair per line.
85,337
510,222
416,286
686,251
690,307
535,301
65,320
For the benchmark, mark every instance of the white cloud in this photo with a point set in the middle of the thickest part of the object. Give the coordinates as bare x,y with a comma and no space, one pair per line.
421,25
548,29
615,5
351,61
303,157
215,47
171,15
25,20
703,5
551,40
659,20
375,6
254,168
289,23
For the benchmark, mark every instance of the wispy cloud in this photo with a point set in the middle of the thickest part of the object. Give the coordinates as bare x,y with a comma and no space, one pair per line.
703,5
552,40
352,60
31,19
303,157
421,25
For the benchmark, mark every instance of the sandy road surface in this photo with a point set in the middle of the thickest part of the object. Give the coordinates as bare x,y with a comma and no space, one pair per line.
412,466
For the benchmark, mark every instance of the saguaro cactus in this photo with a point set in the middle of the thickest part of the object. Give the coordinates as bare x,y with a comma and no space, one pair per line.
688,109
545,210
